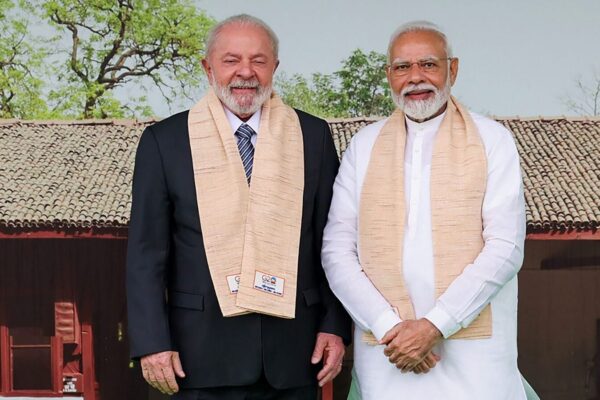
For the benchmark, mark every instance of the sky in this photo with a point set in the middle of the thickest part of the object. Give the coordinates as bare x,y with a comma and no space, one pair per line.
517,57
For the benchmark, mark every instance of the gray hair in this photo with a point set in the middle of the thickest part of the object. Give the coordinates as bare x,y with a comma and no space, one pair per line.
414,26
242,20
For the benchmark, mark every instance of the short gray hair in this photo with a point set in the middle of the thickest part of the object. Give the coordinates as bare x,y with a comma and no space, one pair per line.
414,26
242,20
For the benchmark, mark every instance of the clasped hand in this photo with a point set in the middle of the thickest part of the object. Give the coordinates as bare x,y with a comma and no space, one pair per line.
409,344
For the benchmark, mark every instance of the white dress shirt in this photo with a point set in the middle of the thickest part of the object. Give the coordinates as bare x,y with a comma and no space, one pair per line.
469,369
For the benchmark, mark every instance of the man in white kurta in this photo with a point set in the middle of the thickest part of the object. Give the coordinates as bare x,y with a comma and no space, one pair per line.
467,368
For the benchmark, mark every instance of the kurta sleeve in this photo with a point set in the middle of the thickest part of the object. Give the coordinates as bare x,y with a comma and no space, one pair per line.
503,215
335,320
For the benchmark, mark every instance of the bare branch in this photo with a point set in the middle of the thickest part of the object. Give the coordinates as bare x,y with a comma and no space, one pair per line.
75,46
123,19
586,99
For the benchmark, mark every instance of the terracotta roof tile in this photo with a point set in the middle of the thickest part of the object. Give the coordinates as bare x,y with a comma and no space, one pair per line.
78,174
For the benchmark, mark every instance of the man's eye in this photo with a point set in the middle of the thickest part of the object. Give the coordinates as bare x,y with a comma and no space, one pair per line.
229,61
402,67
259,62
428,65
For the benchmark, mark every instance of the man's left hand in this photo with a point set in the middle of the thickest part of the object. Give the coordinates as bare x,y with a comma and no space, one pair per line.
330,349
409,342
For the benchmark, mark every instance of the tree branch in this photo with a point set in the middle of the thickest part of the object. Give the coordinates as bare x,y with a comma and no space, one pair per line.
74,48
123,19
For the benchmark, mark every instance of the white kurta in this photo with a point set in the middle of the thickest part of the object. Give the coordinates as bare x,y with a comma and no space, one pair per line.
468,369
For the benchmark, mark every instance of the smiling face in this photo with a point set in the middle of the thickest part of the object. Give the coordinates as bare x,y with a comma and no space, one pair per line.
420,74
240,68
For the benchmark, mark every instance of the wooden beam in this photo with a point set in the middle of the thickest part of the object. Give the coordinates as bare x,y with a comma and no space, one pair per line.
70,233
56,358
567,235
327,391
5,372
570,262
89,372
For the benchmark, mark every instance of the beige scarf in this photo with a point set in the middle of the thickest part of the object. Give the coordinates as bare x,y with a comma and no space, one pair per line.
251,234
458,180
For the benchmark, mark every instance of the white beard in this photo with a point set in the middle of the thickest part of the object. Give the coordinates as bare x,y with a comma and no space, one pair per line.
422,109
244,104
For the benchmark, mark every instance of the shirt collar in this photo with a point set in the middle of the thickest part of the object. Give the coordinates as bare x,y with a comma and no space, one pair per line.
235,122
429,125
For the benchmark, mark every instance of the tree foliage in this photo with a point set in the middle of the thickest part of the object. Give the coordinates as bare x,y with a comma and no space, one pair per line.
20,66
98,53
359,88
113,43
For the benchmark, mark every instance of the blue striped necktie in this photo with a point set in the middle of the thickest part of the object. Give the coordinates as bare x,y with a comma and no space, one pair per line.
244,134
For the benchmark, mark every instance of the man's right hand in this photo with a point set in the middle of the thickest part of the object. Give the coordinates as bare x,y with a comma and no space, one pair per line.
159,370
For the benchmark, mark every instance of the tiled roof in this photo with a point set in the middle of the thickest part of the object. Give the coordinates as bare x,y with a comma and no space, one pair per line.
561,171
66,174
78,174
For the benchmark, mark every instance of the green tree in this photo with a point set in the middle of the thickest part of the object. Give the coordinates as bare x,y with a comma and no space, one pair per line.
125,43
363,85
359,88
20,65
318,96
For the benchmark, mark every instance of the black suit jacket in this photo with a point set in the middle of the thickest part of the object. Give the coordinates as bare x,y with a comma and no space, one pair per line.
170,295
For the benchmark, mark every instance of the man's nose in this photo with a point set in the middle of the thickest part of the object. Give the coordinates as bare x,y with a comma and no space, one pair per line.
245,70
415,74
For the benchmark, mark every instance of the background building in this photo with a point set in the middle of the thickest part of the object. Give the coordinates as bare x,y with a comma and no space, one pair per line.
64,210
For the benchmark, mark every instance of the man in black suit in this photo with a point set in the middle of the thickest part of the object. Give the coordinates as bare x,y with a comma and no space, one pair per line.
176,326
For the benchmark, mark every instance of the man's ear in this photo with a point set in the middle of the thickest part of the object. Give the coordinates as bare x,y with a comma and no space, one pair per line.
388,75
453,70
276,65
206,67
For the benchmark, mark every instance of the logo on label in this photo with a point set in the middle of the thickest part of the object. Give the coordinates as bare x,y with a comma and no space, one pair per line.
233,281
269,283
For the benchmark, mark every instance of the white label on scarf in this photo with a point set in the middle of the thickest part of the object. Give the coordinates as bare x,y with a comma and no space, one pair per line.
269,283
234,283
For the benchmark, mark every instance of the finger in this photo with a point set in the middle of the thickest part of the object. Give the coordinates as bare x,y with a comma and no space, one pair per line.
177,366
161,381
334,355
424,368
407,368
388,351
326,370
151,379
389,335
419,369
401,366
396,358
429,361
318,352
332,360
391,348
330,376
170,381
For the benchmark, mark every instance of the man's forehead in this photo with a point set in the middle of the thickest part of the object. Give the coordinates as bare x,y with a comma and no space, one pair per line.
421,44
235,37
